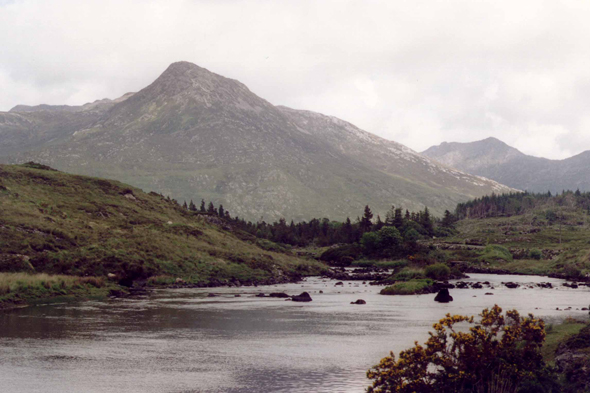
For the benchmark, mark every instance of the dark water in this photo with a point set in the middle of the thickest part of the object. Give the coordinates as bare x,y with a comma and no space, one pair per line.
182,341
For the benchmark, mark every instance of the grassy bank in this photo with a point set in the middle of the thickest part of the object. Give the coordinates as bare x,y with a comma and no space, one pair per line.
22,288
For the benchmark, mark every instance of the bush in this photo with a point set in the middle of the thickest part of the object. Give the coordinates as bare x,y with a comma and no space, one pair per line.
536,254
438,271
370,242
499,351
572,272
411,287
494,252
336,256
409,274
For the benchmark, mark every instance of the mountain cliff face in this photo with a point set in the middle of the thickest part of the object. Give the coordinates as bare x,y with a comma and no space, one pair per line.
194,134
496,160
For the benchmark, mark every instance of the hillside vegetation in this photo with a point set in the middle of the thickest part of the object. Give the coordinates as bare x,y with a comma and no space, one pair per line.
523,233
56,223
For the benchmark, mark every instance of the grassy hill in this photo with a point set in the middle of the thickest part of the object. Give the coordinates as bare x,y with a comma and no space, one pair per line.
57,223
551,236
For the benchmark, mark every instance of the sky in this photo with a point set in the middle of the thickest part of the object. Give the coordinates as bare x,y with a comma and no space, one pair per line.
417,72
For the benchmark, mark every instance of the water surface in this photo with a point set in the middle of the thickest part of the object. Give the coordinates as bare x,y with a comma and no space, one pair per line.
183,341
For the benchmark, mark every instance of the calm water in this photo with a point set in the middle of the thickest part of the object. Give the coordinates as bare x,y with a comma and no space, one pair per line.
182,341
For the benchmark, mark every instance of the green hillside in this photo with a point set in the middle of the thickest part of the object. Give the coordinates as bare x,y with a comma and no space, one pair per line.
523,233
52,222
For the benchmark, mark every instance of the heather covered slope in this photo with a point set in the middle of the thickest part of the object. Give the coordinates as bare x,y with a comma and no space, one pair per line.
194,134
53,222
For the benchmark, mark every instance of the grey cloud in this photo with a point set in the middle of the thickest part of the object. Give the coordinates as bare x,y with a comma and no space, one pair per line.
416,72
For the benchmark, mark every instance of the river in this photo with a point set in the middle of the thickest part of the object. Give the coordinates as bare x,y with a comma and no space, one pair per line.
180,340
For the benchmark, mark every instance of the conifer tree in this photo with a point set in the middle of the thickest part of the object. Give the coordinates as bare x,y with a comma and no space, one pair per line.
192,206
202,208
221,211
398,220
211,208
184,206
366,222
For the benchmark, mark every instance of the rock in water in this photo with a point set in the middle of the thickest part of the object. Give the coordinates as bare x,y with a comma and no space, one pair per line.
359,301
443,296
303,297
278,294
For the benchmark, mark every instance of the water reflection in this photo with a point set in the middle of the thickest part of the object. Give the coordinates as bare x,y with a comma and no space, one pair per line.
183,341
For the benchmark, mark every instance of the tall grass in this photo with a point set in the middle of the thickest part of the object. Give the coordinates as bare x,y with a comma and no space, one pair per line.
21,283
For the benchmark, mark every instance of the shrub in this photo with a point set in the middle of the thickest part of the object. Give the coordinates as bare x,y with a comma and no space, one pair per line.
572,272
370,242
438,256
499,351
411,287
438,271
494,252
334,256
536,254
409,274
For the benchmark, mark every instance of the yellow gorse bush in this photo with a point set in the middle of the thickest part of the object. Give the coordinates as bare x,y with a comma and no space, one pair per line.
495,354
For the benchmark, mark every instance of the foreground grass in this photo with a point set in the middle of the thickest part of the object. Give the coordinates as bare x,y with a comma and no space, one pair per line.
559,333
20,288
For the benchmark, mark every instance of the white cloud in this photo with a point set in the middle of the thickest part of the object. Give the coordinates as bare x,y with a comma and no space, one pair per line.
417,72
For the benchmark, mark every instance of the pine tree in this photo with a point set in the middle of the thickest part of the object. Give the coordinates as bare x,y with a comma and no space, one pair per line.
390,216
184,206
202,208
366,222
398,220
426,222
448,220
221,211
211,208
379,224
192,206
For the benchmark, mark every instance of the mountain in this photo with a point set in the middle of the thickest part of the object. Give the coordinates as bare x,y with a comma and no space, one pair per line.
194,134
496,160
54,222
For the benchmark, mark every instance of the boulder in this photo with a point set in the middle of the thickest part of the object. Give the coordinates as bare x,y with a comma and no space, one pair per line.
339,283
477,286
443,296
238,295
359,301
260,295
489,293
279,294
303,297
511,285
211,295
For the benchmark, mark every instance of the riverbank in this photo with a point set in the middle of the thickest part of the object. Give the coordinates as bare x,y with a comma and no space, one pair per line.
22,289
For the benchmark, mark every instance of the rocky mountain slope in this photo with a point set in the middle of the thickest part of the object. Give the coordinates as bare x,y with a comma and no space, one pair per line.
496,160
194,134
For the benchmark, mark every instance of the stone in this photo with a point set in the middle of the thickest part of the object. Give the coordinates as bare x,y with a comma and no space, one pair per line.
359,301
303,297
279,295
443,296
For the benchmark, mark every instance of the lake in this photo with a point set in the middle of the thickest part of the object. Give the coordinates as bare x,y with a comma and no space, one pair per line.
180,340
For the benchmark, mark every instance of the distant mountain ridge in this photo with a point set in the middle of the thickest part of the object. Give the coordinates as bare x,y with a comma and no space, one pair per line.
496,160
193,134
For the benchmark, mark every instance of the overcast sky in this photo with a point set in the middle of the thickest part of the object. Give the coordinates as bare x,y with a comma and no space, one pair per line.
417,72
